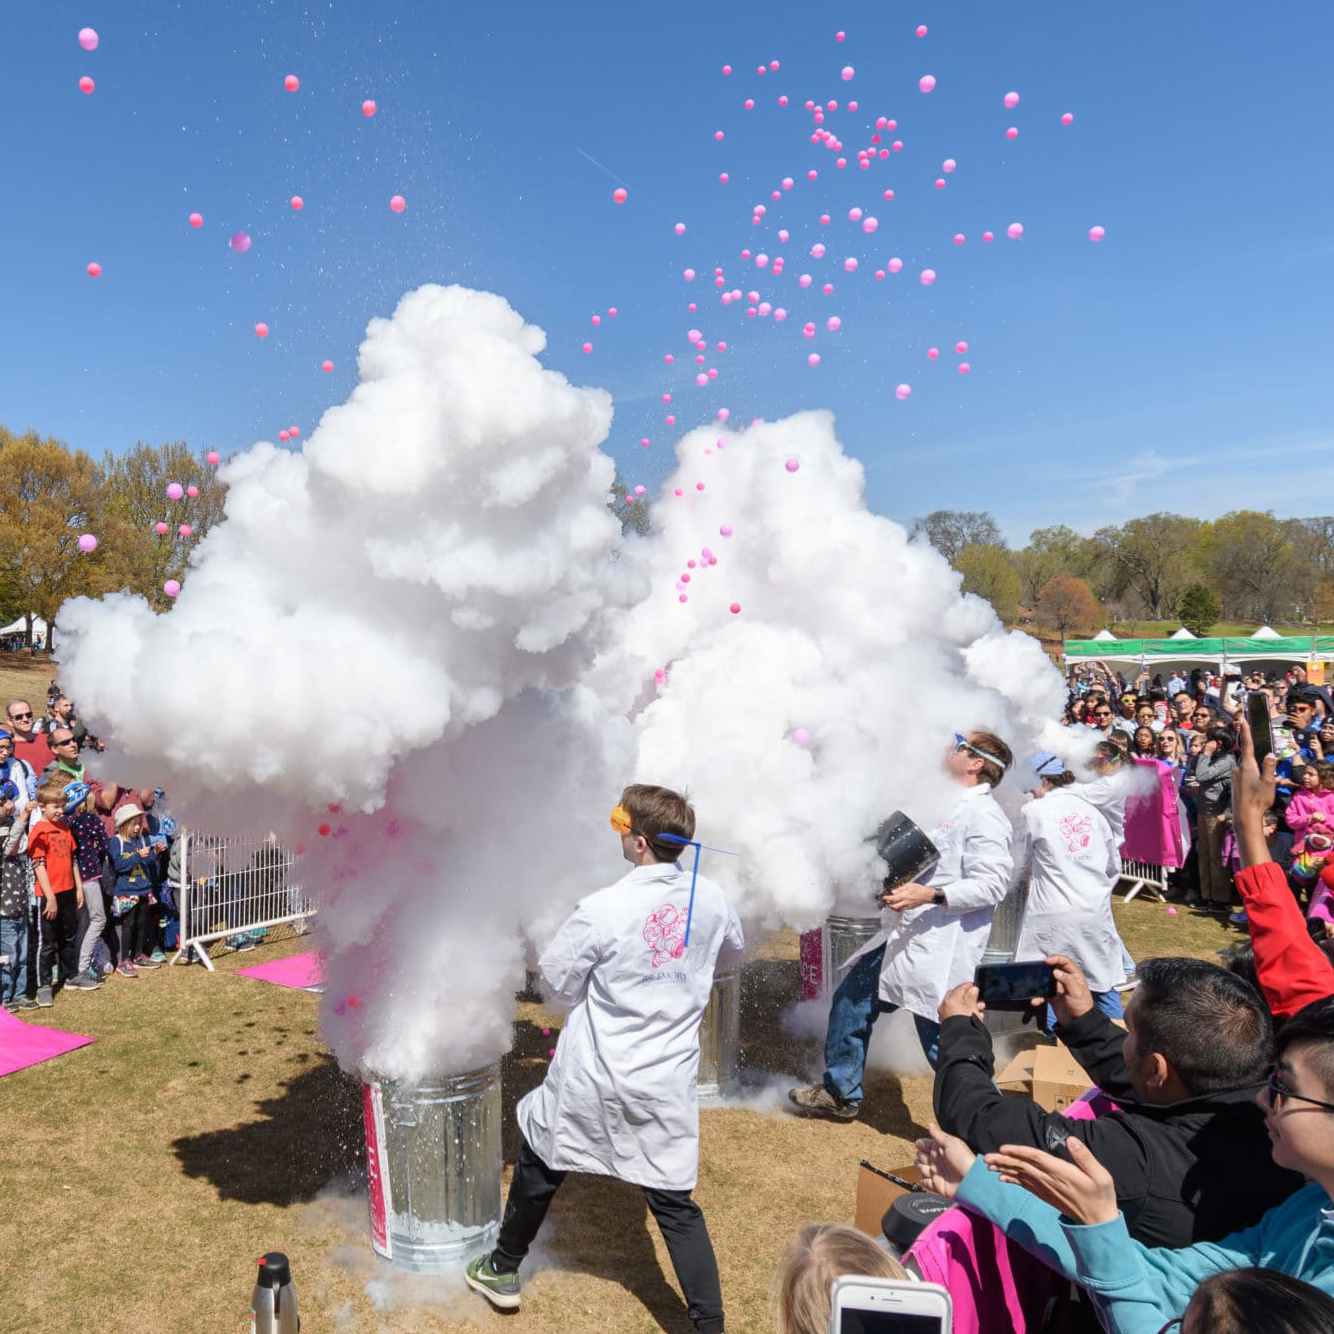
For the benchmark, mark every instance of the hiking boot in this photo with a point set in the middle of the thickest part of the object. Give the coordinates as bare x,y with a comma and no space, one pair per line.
82,982
818,1101
44,998
501,1290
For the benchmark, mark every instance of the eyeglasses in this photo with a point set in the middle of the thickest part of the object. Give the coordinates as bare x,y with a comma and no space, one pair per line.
1278,1090
17,717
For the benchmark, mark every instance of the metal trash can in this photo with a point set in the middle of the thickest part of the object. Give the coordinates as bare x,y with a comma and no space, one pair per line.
433,1168
720,1042
843,937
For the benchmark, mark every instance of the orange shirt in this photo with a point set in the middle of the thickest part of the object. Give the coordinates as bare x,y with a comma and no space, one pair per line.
54,845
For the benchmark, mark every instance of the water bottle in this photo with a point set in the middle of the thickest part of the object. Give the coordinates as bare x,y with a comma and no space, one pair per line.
273,1302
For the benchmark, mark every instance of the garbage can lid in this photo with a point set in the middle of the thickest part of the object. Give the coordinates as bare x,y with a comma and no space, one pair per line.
908,1217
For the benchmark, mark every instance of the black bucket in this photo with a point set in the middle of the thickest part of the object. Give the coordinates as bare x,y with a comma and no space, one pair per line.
907,852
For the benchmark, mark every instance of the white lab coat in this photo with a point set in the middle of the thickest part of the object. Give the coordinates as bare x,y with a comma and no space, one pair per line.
1074,861
930,949
619,1098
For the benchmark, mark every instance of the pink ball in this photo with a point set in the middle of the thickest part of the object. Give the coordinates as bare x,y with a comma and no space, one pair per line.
1011,100
932,353
926,83
185,530
196,219
240,242
833,324
161,528
848,73
940,182
839,36
723,177
1068,118
750,106
261,330
171,588
1097,233
326,366
869,224
294,431
804,280
894,264
689,274
801,736
1171,912
988,236
86,85
192,491
368,108
1012,132
958,238
298,203
961,346
792,465
734,608
1015,230
618,194
398,203
817,250
921,29
850,264
88,39
813,359
948,165
175,490
291,83
87,542
94,270
854,215
213,457
718,135
903,391
727,69
680,229
927,277
611,312
964,368
282,435
725,530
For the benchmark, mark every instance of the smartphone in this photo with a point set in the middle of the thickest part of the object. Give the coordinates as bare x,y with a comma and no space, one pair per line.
1262,739
1013,985
860,1305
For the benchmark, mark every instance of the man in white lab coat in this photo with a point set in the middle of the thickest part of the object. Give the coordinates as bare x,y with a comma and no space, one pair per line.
1074,861
635,962
935,933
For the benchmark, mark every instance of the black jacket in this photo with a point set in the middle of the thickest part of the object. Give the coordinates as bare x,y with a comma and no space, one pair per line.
1191,1171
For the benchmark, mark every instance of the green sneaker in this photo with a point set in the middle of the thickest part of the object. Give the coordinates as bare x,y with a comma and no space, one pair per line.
501,1290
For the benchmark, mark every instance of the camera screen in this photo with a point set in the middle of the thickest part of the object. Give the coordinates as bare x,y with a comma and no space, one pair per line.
887,1322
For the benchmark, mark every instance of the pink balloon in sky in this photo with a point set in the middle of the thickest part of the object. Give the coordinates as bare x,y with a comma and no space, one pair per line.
88,39
1067,118
1011,100
196,219
87,542
213,457
869,224
1012,132
171,588
326,366
282,435
1015,230
618,194
185,530
398,203
175,490
801,736
932,353
927,277
988,236
1097,233
735,608
680,229
86,85
926,83
94,270
725,530
192,491
298,203
848,73
792,465
903,391
948,165
368,108
964,368
261,330
894,264
160,528
240,242
294,431
921,30
958,238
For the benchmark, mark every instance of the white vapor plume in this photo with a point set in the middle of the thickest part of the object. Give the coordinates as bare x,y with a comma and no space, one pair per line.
426,634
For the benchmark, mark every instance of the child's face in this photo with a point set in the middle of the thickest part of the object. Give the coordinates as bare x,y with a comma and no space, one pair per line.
52,810
1300,1130
1310,779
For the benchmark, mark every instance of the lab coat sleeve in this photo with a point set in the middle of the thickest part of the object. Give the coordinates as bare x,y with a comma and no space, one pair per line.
570,957
734,944
987,867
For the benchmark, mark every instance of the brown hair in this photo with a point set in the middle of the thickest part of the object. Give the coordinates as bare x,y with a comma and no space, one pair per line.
1326,771
655,811
988,741
52,790
819,1254
1063,779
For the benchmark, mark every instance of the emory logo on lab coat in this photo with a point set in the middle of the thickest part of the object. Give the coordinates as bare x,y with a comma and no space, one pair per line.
1076,829
665,933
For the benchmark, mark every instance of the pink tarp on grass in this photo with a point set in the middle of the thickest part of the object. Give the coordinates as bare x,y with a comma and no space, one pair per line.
299,971
22,1045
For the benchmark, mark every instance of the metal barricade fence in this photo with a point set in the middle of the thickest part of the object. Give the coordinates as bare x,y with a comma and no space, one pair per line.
230,887
1144,876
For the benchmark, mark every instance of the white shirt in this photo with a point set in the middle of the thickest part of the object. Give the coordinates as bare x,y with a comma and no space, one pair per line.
930,949
1074,861
619,1098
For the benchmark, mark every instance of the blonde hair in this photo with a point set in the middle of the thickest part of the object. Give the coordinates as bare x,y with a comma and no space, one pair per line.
820,1253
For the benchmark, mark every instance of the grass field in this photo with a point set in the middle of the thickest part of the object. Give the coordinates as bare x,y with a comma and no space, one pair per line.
22,677
207,1124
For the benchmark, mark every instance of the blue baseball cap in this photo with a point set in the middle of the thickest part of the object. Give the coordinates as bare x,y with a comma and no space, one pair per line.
1046,764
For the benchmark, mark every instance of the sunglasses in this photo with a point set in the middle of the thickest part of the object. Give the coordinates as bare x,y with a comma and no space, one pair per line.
17,716
68,741
1278,1090
620,820
1102,713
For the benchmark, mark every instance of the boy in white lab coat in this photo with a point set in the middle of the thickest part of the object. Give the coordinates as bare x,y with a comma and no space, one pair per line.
635,962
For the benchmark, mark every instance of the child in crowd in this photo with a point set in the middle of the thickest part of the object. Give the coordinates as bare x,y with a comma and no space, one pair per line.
1310,816
131,854
90,849
821,1253
15,896
59,895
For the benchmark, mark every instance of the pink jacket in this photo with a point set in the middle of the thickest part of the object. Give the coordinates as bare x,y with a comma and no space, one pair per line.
1303,805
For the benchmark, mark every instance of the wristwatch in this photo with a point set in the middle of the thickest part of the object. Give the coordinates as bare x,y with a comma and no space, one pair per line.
938,898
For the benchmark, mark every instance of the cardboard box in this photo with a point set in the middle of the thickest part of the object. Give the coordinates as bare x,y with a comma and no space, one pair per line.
875,1193
1048,1075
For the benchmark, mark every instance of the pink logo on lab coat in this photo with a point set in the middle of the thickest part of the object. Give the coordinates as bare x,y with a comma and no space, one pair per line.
1075,829
665,933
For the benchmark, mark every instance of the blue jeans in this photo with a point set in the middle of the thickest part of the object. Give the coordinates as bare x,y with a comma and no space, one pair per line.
852,1015
14,949
1109,1002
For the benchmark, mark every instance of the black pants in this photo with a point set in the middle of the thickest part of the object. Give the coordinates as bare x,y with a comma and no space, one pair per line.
679,1218
58,935
132,927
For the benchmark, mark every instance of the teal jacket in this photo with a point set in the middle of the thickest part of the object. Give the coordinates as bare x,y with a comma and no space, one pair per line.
1138,1290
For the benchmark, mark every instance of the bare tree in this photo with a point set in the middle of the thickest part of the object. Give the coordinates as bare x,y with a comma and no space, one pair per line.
950,531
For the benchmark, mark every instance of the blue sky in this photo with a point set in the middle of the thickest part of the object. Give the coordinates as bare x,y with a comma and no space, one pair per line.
1183,363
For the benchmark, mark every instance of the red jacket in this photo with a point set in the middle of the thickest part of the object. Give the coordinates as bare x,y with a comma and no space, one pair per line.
1292,969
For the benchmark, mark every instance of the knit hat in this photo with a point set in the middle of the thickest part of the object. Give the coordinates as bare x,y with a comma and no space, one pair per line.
127,812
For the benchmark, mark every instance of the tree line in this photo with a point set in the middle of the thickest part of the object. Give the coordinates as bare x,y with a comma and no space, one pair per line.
51,495
1247,565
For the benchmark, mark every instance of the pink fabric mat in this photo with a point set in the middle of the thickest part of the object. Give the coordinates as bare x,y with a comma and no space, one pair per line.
22,1045
299,971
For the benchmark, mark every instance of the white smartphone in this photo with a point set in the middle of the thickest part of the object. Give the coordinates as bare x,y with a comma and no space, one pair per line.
859,1305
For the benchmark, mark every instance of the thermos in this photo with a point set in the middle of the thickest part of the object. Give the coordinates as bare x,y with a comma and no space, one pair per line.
907,852
273,1303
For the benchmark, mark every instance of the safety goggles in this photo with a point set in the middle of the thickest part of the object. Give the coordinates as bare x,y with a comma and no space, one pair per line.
620,820
961,742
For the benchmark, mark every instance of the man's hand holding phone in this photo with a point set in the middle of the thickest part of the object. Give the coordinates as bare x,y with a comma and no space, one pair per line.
1073,998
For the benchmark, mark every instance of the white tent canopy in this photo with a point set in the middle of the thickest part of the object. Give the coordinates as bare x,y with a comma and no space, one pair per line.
20,627
1105,637
1183,633
1266,632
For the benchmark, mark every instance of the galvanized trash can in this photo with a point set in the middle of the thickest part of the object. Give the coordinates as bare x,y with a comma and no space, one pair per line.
720,1042
843,937
433,1169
